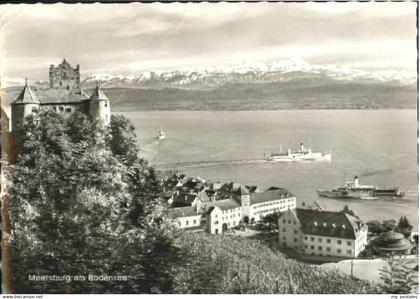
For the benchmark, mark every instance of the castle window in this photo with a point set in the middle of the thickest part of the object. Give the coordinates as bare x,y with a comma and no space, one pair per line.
61,109
106,104
34,110
68,109
339,242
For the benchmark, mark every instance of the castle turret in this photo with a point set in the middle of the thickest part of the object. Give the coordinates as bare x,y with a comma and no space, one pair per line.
25,104
99,106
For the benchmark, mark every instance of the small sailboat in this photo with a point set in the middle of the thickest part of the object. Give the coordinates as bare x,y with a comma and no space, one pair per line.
161,134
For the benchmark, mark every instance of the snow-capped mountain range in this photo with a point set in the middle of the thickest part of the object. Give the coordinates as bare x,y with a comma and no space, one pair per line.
277,71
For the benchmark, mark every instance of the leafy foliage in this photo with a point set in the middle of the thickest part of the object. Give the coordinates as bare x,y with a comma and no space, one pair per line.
228,264
82,205
404,226
397,276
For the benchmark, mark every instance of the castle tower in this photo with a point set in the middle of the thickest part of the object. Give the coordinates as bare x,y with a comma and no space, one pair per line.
64,76
25,104
99,106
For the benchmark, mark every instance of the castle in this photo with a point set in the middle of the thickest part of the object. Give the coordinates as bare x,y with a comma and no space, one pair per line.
64,96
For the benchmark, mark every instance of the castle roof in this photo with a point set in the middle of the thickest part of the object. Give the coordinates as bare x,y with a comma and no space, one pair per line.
46,96
98,94
27,96
328,223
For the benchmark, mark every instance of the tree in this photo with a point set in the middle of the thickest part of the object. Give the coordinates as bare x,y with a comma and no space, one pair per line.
123,140
404,226
81,208
347,210
396,276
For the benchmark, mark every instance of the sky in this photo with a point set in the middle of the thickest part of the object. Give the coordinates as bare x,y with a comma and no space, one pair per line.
128,39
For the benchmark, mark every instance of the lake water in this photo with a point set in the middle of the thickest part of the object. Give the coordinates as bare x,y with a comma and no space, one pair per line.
377,145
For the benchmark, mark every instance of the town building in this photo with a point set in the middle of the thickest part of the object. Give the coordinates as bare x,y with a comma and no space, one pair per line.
187,217
224,206
223,215
318,232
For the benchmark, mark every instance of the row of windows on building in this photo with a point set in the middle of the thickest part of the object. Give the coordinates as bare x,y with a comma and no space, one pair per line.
289,222
272,210
228,211
227,223
55,108
339,242
273,203
187,222
231,216
328,249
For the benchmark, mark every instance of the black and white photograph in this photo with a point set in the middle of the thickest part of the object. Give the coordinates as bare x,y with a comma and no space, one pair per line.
209,148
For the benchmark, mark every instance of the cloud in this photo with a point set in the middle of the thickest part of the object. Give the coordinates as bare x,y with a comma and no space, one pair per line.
133,37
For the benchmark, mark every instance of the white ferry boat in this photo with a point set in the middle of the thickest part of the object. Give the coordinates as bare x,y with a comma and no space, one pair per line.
161,134
303,154
353,190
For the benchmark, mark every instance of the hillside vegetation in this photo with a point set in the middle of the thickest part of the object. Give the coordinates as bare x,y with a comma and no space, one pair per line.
228,264
271,96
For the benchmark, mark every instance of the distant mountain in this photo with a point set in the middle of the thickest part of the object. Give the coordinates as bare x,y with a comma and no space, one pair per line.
291,84
280,71
298,94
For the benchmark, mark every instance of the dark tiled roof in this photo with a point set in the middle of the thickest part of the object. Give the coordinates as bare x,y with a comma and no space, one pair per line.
26,96
328,223
391,236
98,95
259,197
183,212
225,204
183,199
49,96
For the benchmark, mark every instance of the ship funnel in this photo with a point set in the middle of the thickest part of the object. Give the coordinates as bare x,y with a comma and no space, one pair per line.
289,152
302,148
356,181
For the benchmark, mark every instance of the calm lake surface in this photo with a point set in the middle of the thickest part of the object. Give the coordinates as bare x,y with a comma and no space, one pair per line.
377,145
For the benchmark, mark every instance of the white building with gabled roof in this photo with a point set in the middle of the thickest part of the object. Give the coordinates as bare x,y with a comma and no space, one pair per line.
326,233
